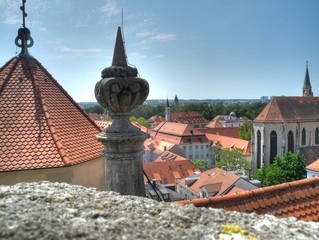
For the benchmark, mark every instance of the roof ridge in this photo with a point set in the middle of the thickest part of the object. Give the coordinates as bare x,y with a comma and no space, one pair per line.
67,94
47,117
10,72
200,202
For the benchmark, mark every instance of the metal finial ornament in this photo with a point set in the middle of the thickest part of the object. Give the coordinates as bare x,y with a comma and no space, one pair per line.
24,39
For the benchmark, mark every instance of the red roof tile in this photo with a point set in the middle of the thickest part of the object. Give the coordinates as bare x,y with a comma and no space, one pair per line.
216,181
41,126
291,109
178,133
229,142
298,199
187,117
228,132
169,170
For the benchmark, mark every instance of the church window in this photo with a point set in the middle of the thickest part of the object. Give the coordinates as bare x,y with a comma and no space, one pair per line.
303,137
273,146
317,136
258,149
290,141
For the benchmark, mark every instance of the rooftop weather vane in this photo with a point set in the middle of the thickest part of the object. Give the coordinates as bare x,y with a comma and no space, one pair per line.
24,39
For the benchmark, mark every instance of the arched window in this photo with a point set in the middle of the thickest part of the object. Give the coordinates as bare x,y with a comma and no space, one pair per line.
273,146
258,149
290,141
303,137
317,136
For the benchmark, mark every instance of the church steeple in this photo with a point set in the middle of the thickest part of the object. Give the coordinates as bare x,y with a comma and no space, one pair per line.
307,89
167,112
176,102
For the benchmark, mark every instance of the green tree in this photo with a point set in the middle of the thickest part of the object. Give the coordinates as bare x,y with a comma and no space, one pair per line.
289,167
244,131
140,120
97,108
201,163
233,159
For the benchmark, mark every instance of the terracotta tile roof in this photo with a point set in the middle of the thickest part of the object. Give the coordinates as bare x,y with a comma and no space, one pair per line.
215,123
178,133
290,109
170,170
228,142
180,117
314,166
298,199
102,124
213,178
168,156
98,117
41,126
187,117
228,132
310,153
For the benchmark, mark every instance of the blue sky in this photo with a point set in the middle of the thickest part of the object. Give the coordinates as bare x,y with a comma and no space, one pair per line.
195,49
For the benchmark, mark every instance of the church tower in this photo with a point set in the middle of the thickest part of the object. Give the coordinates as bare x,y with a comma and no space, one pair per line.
306,89
176,102
167,112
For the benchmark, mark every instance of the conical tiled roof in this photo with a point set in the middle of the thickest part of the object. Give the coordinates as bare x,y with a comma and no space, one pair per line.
40,124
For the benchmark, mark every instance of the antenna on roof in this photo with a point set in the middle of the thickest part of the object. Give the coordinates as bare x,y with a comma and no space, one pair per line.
24,14
122,21
24,39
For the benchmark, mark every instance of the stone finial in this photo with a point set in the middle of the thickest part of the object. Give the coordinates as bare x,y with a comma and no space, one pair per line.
120,91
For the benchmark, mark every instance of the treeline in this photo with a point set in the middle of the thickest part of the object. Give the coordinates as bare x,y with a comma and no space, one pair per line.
209,111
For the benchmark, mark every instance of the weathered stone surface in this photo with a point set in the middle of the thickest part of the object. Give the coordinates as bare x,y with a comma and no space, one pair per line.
60,211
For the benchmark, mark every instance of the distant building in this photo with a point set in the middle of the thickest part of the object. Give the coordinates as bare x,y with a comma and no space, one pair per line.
98,116
166,172
223,142
211,183
286,124
227,121
264,98
313,169
193,142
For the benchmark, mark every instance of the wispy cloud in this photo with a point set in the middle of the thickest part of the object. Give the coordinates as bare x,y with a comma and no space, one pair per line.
151,36
164,37
158,56
137,55
109,10
9,12
79,51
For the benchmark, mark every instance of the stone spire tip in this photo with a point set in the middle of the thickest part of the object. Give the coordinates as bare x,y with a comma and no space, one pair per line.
119,55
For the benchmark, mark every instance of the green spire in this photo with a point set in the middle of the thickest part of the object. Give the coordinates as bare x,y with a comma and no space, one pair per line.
306,83
307,89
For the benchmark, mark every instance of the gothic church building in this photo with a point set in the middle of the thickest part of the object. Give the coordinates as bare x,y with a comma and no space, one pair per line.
286,124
